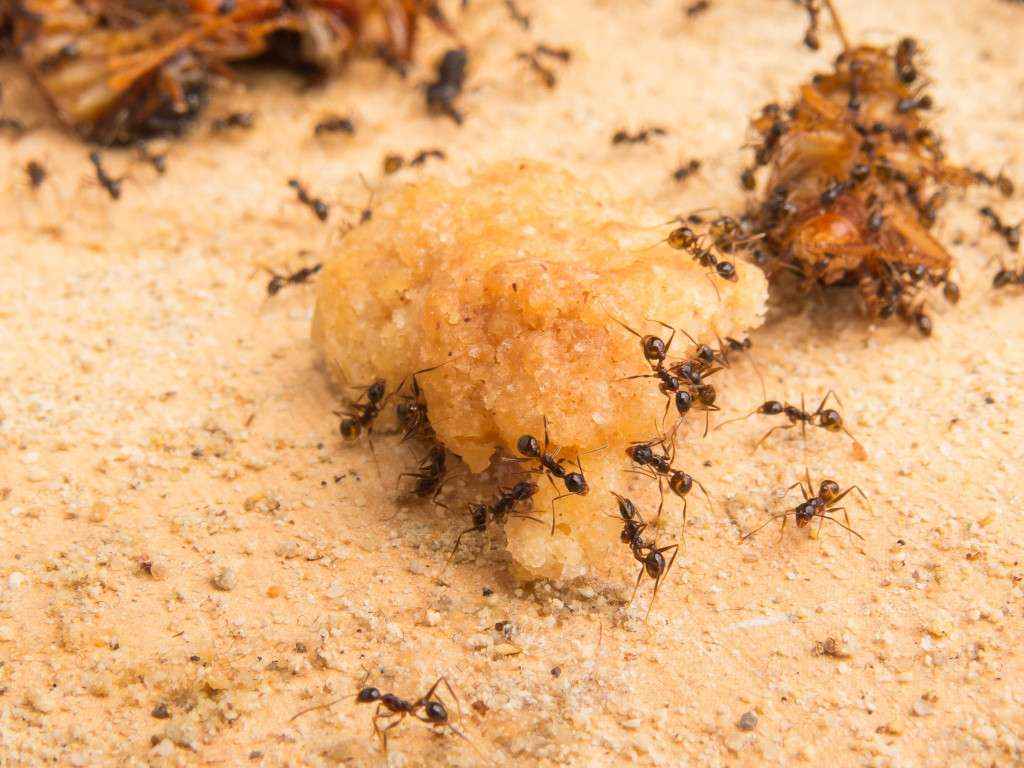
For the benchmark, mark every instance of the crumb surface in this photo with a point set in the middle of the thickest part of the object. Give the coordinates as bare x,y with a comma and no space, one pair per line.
189,555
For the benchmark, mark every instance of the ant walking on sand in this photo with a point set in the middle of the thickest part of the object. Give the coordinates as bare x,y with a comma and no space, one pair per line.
316,205
1010,234
299,276
819,505
550,465
427,708
659,466
502,508
641,136
451,77
108,182
334,124
645,551
828,419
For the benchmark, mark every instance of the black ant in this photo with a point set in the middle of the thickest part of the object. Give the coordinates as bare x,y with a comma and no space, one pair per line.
1010,234
158,161
820,505
36,173
361,415
575,482
659,466
502,508
1005,277
828,419
112,185
425,154
334,124
429,478
242,120
645,551
428,709
520,18
318,206
686,170
533,59
642,136
684,238
697,8
451,76
906,49
1002,182
277,282
411,411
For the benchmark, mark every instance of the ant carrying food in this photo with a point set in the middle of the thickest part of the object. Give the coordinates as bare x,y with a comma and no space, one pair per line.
361,415
828,419
427,708
645,551
550,465
277,282
1010,234
819,505
659,466
451,77
36,173
642,136
109,183
316,205
240,120
503,507
334,124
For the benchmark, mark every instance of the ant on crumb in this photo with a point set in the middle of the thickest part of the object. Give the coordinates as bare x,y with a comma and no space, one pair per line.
658,466
502,508
819,505
549,465
427,708
684,238
828,419
645,551
429,479
412,410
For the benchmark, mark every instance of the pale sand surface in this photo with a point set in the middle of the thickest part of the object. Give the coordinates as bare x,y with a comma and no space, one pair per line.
154,404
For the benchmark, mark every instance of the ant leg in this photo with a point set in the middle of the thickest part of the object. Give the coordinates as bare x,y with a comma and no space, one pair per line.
746,536
799,484
810,488
821,406
782,528
458,540
730,421
657,581
769,432
840,524
661,503
707,496
683,529
637,585
858,490
562,496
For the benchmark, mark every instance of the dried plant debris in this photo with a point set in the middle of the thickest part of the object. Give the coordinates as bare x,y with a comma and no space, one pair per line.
856,180
117,70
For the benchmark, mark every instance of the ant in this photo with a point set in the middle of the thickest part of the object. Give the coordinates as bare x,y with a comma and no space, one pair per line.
686,170
520,18
451,76
645,551
360,415
828,419
697,8
427,708
36,173
1005,277
659,466
1002,182
503,507
906,49
112,185
318,206
642,136
430,475
533,59
277,282
334,124
820,505
412,410
1010,234
684,238
575,482
243,120
425,154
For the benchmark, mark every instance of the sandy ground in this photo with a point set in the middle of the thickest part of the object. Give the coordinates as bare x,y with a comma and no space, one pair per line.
189,555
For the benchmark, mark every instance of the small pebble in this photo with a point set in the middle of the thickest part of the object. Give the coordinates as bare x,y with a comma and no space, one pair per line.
226,579
160,712
922,708
748,721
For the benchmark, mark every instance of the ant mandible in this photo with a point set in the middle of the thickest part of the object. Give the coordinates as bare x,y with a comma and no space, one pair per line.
820,505
645,551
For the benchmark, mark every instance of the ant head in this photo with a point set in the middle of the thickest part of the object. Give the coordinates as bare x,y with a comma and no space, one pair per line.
368,695
576,483
436,712
524,490
684,401
831,420
528,445
376,391
726,270
654,349
828,490
654,564
641,454
680,483
349,429
627,511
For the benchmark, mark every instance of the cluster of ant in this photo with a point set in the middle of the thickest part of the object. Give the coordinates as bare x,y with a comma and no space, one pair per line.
857,179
